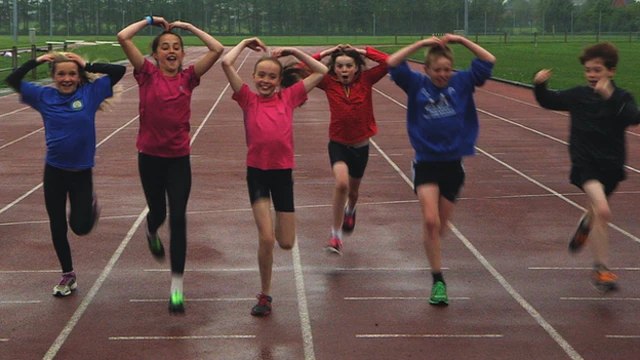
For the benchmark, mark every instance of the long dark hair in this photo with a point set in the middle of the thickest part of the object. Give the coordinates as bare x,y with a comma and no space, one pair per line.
352,53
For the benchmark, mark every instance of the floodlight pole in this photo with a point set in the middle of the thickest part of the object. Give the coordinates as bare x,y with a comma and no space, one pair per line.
50,18
374,23
466,18
15,22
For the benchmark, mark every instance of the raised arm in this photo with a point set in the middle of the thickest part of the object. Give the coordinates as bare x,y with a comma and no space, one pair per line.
327,52
476,49
215,47
318,69
401,55
125,38
235,80
15,78
115,72
552,100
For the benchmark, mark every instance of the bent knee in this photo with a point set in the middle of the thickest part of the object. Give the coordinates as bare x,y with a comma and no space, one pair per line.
287,244
603,214
342,186
81,230
431,223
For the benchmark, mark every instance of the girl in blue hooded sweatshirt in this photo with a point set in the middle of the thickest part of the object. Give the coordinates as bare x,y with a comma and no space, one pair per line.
443,127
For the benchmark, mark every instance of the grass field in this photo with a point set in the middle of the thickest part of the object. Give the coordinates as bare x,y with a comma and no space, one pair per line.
517,60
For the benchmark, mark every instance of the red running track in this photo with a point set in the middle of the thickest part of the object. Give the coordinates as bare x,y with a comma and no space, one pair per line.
516,292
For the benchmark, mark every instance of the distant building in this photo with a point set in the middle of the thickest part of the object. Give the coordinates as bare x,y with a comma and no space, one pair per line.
622,3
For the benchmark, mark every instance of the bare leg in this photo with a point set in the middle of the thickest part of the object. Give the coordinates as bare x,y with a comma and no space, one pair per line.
600,216
266,241
340,192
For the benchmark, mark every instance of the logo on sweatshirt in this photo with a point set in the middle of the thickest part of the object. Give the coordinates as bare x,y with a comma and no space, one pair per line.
77,105
440,107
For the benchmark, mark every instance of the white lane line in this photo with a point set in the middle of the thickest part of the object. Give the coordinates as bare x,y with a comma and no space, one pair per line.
580,268
284,268
4,340
20,302
393,298
38,130
569,350
192,337
607,299
15,112
207,270
632,169
9,206
28,271
21,138
194,300
305,322
622,336
385,269
86,301
64,334
561,113
555,193
422,336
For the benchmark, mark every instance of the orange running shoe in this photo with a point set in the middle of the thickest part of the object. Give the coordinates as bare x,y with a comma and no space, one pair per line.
603,279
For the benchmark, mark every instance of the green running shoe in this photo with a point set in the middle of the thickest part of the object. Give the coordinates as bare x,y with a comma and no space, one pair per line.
176,303
155,245
439,294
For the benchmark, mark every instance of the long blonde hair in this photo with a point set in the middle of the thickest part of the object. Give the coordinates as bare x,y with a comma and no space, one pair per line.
87,77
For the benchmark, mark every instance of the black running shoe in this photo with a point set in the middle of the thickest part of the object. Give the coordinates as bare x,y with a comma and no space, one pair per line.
581,235
263,307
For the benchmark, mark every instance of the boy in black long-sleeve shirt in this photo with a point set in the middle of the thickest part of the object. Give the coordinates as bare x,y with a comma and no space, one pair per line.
600,113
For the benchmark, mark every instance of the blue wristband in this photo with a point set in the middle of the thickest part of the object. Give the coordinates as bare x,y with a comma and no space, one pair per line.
149,20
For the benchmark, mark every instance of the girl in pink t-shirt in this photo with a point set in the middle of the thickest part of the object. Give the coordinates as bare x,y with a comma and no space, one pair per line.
163,139
268,120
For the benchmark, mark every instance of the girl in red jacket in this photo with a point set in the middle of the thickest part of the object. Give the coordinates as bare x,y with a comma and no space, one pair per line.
348,86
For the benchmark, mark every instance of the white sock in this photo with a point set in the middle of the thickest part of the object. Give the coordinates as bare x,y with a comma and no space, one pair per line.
349,211
176,282
336,233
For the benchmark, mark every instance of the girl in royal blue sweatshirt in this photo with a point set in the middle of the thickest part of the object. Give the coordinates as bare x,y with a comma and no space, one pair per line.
443,127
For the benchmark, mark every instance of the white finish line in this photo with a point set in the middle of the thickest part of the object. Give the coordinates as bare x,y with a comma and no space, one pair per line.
435,336
201,337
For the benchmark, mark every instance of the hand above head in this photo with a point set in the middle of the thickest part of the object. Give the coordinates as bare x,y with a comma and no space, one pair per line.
45,58
451,39
77,58
161,22
433,41
282,51
255,44
604,87
542,76
178,25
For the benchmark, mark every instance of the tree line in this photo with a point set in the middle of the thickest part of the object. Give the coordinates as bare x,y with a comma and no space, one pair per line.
324,17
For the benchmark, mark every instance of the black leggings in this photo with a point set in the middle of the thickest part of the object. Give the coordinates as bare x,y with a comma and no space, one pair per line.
170,178
79,187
